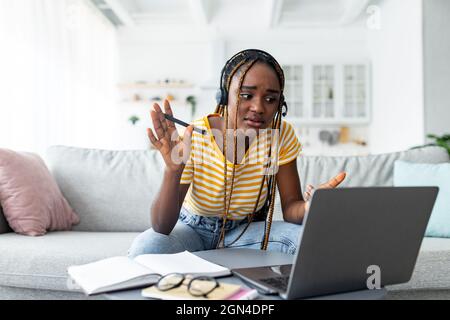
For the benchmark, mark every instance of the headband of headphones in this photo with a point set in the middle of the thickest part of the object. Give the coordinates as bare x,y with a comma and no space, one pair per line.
247,55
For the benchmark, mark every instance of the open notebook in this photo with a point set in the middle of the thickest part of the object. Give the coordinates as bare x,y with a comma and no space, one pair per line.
118,273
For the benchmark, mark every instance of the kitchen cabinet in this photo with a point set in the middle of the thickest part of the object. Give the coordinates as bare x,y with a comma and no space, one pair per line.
328,93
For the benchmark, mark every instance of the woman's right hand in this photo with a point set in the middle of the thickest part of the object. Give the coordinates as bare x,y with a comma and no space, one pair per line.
175,151
332,183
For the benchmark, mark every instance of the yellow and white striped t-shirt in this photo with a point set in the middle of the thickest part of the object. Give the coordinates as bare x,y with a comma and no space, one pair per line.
204,171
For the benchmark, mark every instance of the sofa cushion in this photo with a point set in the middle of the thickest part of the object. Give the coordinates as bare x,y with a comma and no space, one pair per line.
30,196
424,174
110,190
364,171
113,190
42,262
14,293
432,270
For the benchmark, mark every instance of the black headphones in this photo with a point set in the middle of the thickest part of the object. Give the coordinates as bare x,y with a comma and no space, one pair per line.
222,93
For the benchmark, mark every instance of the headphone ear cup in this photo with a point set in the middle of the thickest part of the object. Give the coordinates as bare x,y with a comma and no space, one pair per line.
219,96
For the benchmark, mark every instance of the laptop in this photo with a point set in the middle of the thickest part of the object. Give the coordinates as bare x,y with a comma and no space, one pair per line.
350,238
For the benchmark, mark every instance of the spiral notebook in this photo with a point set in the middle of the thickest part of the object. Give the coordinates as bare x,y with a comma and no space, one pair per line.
225,291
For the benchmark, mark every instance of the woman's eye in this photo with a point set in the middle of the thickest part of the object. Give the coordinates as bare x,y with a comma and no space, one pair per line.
248,96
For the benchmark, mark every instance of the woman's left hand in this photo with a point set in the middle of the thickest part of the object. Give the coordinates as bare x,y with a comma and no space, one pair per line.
332,183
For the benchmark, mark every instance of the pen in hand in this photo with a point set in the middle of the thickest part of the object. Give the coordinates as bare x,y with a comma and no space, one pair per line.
175,120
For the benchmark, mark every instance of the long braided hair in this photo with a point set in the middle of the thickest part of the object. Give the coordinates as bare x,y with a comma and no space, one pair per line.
245,60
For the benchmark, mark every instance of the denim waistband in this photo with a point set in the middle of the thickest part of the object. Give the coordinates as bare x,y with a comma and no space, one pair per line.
210,223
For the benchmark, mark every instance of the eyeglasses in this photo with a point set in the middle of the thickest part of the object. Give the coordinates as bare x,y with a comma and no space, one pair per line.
199,286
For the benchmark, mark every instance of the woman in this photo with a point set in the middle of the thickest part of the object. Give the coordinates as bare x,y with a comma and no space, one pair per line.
248,149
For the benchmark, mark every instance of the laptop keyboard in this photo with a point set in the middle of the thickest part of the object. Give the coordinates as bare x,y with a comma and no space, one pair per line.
277,282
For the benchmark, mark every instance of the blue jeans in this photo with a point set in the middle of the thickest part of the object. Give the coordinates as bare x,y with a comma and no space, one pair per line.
195,233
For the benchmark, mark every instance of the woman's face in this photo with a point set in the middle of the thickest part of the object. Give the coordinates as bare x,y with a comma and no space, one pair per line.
259,98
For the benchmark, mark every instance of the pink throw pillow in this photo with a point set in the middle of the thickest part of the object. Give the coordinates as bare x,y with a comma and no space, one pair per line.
31,200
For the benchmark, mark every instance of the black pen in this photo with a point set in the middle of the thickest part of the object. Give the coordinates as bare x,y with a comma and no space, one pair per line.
175,120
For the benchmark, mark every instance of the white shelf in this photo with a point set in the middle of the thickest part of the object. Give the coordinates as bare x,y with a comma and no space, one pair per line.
151,102
150,85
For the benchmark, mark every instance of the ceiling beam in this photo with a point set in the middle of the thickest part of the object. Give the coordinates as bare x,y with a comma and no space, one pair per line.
274,9
153,19
121,12
201,11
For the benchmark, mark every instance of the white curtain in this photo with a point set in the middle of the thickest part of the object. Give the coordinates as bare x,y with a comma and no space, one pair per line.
58,63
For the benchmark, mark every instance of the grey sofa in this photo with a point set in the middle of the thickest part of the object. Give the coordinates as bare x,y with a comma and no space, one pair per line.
112,192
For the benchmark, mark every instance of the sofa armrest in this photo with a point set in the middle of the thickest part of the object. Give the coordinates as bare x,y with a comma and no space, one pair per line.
4,226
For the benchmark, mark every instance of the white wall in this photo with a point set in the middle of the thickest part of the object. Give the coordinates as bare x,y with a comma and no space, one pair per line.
437,66
151,53
198,55
397,69
395,52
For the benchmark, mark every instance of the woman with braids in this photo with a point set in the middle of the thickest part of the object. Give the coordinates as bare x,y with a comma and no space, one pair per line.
219,187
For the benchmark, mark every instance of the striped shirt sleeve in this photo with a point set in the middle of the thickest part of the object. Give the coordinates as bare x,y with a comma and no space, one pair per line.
290,145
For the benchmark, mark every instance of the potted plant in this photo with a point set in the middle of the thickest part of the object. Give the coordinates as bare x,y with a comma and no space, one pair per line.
441,141
133,119
193,102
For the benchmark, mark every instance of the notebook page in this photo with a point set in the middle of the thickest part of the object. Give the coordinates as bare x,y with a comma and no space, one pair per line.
183,262
106,272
